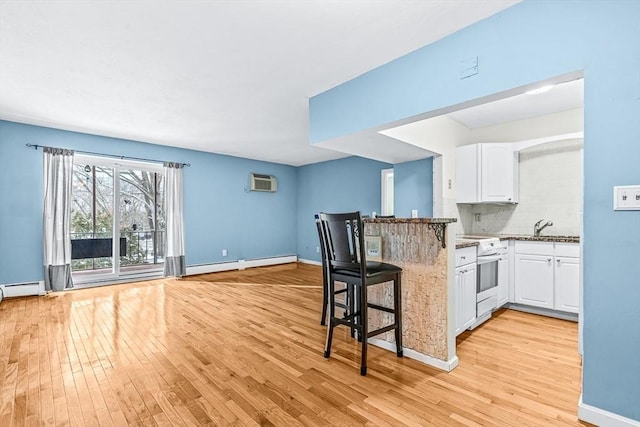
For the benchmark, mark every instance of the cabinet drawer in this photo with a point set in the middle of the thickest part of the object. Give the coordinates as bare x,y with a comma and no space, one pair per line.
466,255
568,249
534,248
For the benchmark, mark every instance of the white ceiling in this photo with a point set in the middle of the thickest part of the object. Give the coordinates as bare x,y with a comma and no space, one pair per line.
561,97
229,77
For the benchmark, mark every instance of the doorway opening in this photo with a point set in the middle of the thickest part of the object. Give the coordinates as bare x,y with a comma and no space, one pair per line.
387,192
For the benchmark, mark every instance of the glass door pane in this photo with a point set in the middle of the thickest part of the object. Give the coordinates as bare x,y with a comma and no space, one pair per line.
92,220
141,221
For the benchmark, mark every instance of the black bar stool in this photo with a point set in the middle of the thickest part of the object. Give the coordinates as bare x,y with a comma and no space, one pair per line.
347,305
343,237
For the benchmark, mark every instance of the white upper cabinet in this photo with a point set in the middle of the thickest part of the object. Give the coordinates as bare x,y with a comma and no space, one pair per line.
487,173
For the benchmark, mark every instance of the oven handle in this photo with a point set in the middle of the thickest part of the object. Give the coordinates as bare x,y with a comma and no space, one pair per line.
489,258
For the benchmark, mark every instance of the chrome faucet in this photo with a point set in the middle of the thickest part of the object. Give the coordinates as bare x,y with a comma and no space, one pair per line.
537,229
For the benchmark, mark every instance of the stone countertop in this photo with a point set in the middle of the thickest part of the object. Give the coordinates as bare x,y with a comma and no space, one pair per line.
558,239
409,220
460,245
522,237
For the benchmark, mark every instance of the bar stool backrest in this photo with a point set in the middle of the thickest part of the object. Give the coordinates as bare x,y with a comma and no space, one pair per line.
344,237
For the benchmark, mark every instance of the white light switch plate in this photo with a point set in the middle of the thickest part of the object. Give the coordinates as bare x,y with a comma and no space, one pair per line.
626,198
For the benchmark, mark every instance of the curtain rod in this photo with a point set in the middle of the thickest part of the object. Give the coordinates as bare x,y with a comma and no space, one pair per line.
36,146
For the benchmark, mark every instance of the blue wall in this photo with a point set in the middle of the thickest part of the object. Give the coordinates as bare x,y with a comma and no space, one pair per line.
530,42
219,213
413,188
343,185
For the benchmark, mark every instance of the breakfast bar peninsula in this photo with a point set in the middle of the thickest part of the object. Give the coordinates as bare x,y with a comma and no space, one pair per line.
423,247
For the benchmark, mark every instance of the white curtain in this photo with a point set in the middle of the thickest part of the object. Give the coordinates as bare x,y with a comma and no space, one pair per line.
174,258
58,173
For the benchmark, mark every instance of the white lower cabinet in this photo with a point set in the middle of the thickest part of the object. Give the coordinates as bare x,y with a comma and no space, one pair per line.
545,278
466,278
503,280
567,279
534,280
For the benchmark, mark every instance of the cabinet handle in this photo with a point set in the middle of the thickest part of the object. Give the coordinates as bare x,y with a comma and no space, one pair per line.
463,257
548,259
558,261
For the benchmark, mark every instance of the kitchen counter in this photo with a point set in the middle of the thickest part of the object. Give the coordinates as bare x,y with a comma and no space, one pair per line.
465,244
558,239
522,237
410,220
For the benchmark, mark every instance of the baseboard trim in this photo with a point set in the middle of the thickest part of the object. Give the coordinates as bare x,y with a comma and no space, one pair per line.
573,317
603,418
240,264
445,365
309,261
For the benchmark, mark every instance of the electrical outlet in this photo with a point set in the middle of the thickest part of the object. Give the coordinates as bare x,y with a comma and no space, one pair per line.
477,217
626,198
224,252
318,249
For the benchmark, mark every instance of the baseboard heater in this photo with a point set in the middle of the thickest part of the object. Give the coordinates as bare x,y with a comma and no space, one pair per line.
22,289
240,264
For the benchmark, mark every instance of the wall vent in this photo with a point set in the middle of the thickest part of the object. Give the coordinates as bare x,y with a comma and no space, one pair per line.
261,182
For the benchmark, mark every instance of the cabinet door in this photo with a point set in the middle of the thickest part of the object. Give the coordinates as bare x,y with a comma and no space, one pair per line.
459,299
467,174
567,284
534,280
466,278
497,173
469,304
503,281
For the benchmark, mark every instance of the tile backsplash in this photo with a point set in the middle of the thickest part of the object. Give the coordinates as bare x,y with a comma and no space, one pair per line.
550,189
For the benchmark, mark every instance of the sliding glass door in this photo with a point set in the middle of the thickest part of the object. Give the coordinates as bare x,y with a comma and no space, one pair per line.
117,219
141,221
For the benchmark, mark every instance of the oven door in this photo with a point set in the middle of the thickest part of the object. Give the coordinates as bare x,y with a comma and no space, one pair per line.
487,276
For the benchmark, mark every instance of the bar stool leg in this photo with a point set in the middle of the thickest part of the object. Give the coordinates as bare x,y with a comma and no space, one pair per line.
397,303
325,301
352,306
364,326
332,315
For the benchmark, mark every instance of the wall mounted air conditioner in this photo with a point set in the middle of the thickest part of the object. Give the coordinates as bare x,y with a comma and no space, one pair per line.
261,182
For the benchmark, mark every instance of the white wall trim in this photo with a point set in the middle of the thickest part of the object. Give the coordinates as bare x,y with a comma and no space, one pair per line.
564,315
603,418
522,145
236,265
447,365
310,261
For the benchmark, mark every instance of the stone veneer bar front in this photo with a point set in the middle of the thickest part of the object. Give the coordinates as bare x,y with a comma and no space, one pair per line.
416,245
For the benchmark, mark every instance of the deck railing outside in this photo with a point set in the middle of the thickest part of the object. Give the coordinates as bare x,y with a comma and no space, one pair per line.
143,248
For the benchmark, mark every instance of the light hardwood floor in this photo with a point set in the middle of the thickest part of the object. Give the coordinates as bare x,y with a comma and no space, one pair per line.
245,348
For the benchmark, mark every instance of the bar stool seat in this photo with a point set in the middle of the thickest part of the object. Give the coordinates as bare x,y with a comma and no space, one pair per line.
343,239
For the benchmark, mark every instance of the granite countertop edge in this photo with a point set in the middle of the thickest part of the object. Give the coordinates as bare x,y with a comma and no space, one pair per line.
409,220
556,239
466,245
